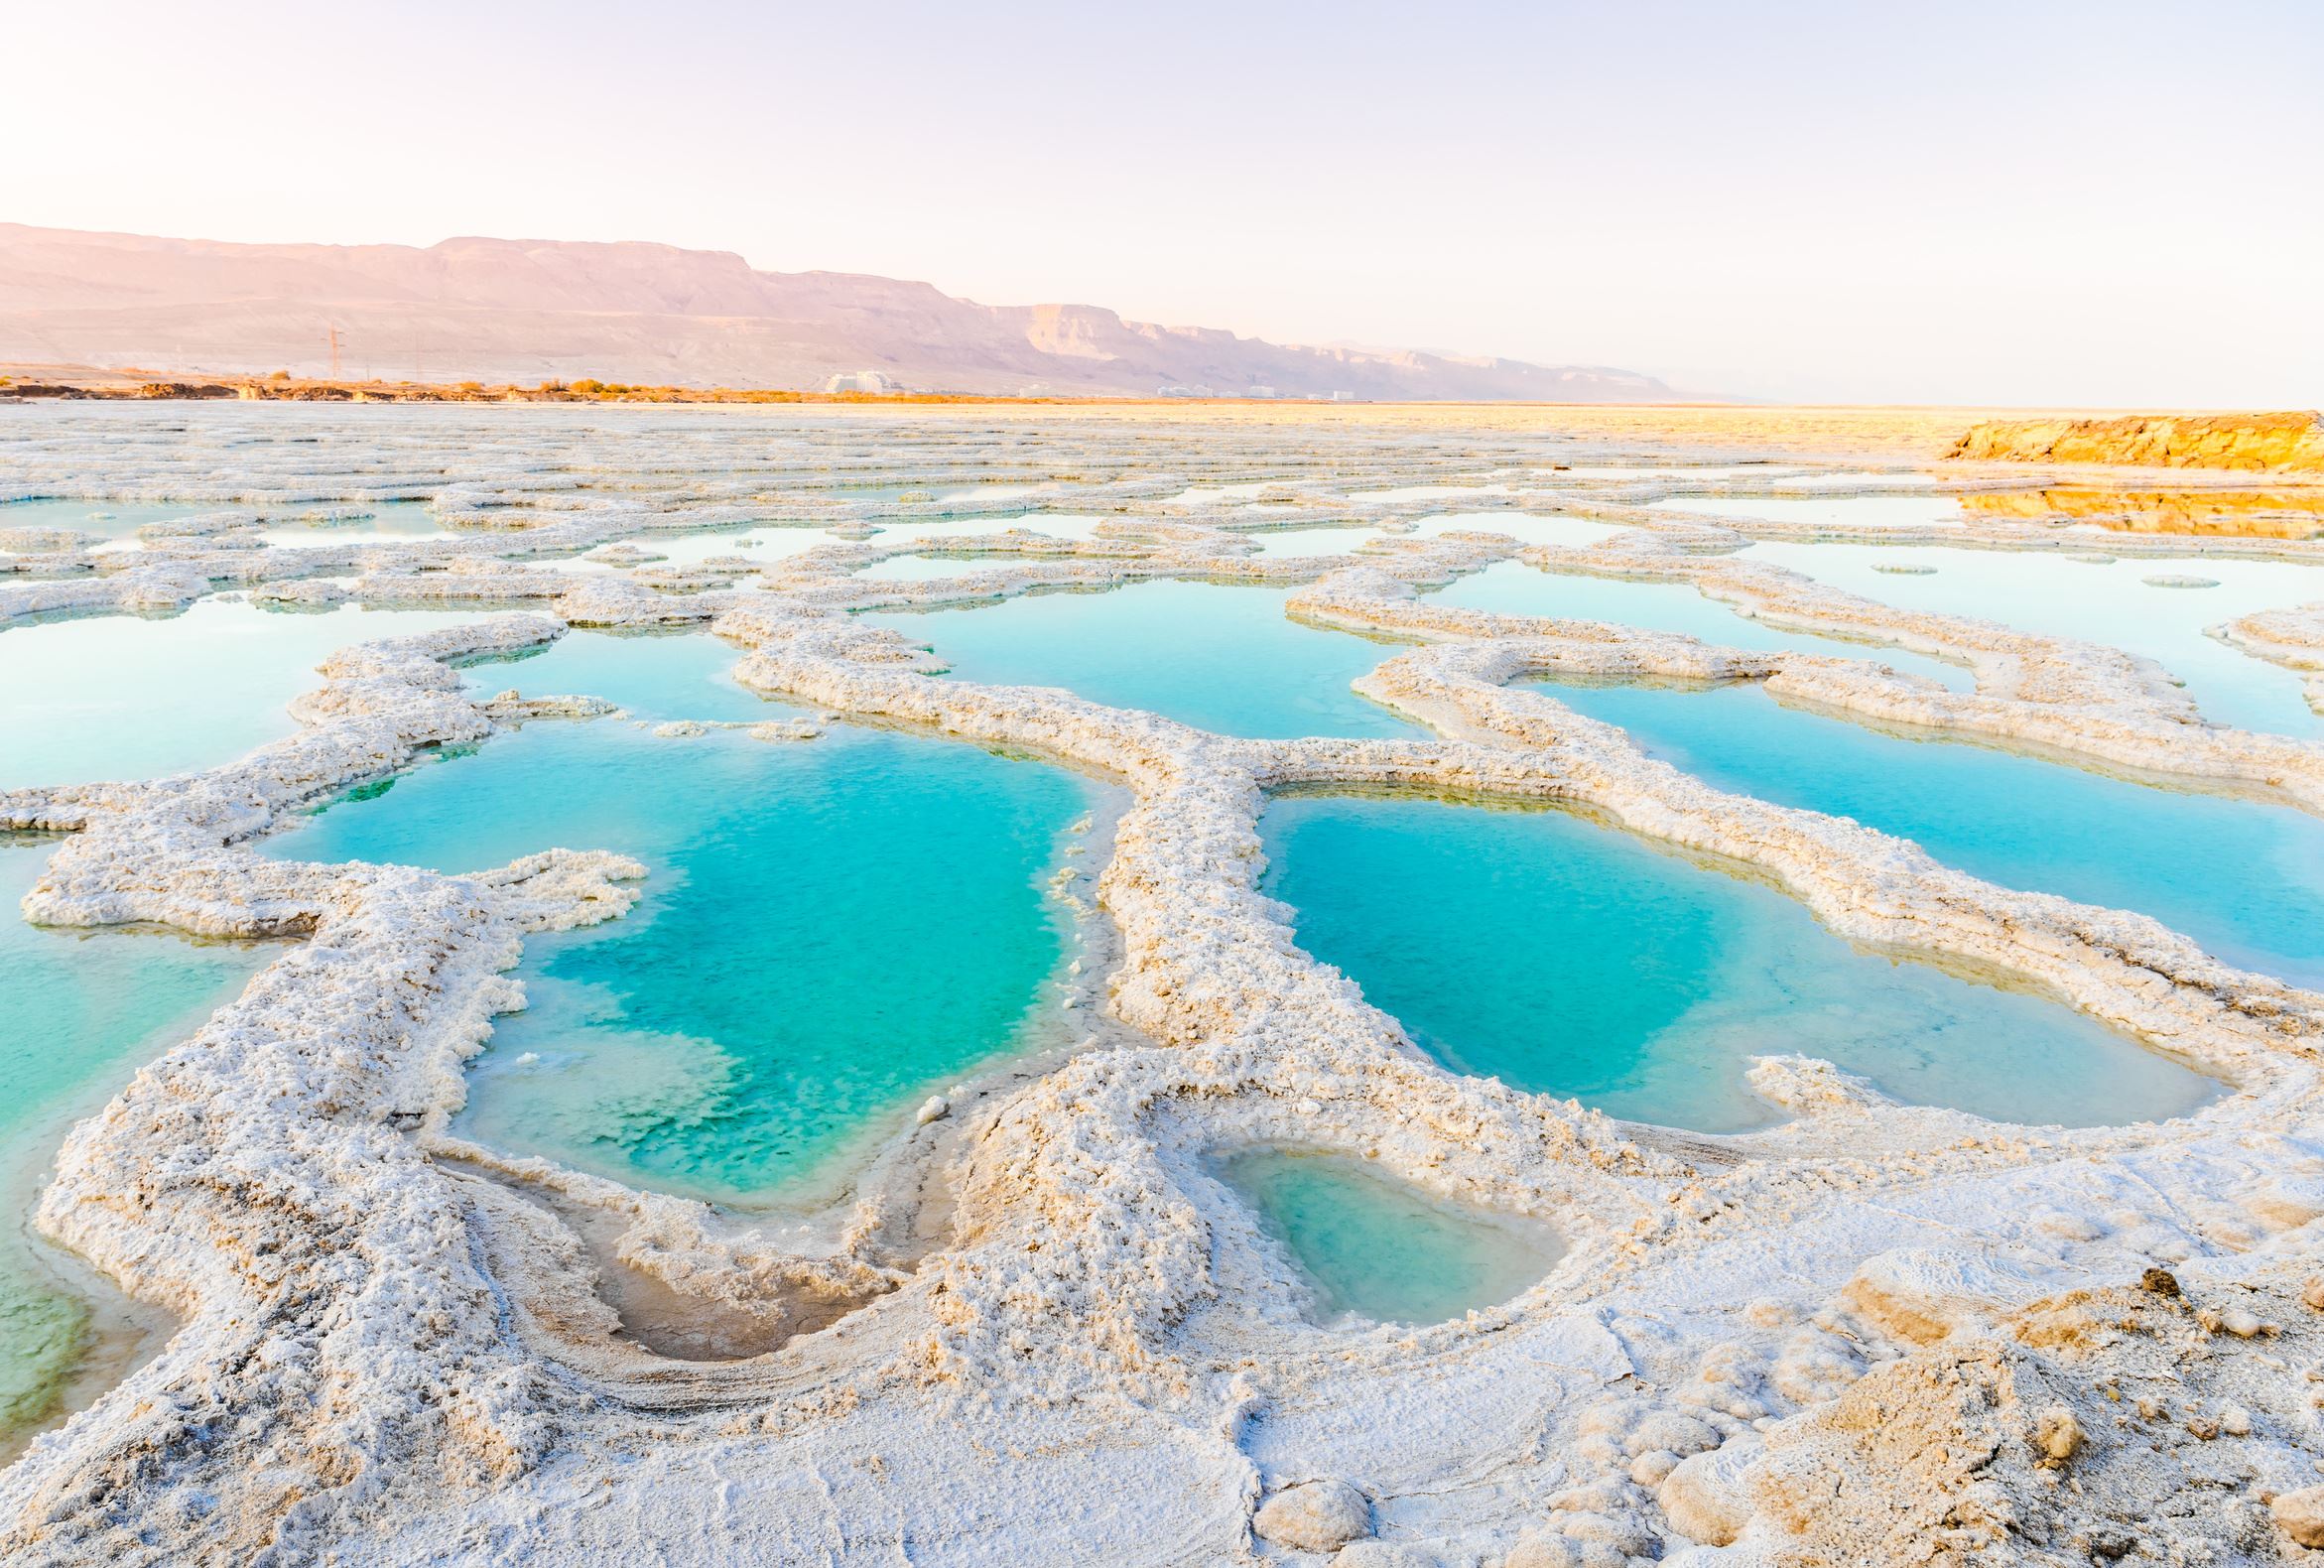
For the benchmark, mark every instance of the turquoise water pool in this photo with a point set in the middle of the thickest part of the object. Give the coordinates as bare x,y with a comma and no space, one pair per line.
123,697
2244,879
1221,658
1376,1248
1564,957
2108,602
831,930
1511,587
81,1011
651,675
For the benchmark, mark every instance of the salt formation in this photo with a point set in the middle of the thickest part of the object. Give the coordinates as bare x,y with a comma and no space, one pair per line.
1874,1332
2293,638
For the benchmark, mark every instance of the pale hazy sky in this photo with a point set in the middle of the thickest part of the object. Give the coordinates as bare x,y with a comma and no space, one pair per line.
2105,204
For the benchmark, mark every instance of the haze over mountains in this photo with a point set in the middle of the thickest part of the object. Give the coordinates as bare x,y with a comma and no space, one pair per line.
501,310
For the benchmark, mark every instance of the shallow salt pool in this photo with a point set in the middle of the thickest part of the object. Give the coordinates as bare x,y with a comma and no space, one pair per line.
2106,602
2244,879
390,522
106,519
760,545
1512,587
1311,541
930,569
831,930
125,697
650,675
1219,657
1570,532
1569,958
1374,1247
81,1011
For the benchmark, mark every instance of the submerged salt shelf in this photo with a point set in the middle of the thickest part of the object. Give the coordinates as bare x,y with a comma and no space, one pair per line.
79,1012
1375,1248
2102,602
123,697
1219,657
1639,983
1513,587
2245,879
831,930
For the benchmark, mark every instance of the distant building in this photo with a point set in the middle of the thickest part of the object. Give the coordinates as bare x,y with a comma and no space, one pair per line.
1262,392
1195,391
861,381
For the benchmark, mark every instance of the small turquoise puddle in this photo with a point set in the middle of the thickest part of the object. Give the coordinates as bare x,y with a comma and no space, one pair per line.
123,697
831,930
2108,602
1512,587
1537,947
1374,1247
81,1011
1221,658
2244,879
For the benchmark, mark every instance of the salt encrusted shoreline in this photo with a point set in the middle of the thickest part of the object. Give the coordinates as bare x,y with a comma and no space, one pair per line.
1876,1332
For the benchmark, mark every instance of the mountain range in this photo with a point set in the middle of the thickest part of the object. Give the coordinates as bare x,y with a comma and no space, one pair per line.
522,310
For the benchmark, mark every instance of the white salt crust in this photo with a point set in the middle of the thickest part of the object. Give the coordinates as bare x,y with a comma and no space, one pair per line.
1877,1333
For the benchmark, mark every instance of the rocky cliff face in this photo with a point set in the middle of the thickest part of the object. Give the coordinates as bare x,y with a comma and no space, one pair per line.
528,310
2288,443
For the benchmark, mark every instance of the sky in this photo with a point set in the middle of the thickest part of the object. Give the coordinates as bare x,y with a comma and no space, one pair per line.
2101,205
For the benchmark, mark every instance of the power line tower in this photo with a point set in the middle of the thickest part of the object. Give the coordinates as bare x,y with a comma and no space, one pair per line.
334,353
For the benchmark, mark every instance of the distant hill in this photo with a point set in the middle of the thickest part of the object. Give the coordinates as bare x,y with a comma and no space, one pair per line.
525,309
